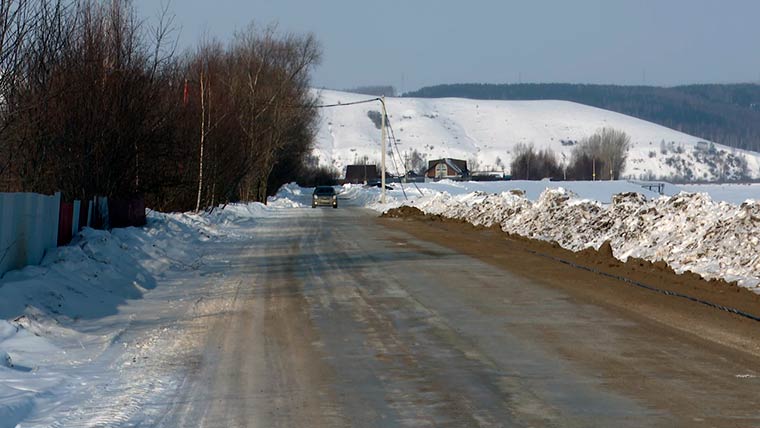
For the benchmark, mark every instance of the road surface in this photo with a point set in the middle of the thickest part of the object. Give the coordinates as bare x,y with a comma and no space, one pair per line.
339,321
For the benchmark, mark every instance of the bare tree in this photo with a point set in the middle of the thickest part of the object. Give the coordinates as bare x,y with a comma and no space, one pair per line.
417,162
530,164
607,149
205,69
270,82
94,101
523,155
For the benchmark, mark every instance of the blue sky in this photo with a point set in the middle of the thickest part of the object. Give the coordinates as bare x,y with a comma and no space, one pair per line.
414,43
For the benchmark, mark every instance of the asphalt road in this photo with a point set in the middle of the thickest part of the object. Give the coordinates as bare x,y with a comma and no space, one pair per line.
339,321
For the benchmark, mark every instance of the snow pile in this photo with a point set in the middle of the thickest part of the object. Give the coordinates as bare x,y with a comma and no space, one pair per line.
237,213
291,196
602,191
689,231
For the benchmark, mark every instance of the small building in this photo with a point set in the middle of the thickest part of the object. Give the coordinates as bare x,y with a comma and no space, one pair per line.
489,176
413,177
447,168
361,174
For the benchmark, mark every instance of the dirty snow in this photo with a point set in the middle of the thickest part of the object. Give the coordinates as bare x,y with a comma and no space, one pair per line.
689,231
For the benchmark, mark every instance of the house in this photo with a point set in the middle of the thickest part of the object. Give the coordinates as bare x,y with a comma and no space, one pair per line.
361,174
447,168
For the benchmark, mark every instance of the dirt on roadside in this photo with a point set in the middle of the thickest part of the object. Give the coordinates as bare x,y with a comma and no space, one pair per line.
557,267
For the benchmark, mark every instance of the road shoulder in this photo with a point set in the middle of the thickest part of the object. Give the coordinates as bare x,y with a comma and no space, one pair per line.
537,260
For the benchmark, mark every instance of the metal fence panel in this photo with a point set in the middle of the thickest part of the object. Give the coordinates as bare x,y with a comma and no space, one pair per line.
28,227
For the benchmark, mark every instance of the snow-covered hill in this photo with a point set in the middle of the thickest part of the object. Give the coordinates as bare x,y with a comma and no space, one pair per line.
486,132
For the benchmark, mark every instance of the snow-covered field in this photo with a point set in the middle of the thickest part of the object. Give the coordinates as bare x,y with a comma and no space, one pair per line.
733,193
601,191
485,132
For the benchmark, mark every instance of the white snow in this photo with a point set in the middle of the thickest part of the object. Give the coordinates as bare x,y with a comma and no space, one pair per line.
485,132
85,337
733,193
601,191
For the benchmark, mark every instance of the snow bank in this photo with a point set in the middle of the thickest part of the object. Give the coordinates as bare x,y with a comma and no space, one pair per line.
289,196
70,331
689,231
103,267
603,191
51,315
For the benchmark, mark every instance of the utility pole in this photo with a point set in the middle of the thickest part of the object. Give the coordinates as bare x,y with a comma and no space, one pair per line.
382,165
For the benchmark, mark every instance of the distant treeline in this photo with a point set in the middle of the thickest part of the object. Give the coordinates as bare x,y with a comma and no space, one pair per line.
378,90
725,114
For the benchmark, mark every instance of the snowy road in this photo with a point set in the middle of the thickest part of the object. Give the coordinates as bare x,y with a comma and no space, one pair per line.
338,321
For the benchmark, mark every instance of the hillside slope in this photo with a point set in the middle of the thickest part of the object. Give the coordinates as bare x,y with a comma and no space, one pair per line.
486,132
724,113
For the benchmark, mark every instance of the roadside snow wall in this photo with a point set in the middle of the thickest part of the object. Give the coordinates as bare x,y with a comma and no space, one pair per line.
689,231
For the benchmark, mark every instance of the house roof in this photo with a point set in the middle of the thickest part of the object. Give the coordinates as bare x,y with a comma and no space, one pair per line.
459,166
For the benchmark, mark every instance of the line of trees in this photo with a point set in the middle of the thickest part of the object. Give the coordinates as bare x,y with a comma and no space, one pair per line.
95,101
602,156
529,164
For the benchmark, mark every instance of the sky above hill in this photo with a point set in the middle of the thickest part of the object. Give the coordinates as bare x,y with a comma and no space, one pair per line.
409,44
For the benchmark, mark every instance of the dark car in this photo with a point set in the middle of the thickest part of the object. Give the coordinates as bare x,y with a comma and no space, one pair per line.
379,185
324,195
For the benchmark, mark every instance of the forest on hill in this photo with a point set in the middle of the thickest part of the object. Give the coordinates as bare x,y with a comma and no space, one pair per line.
723,113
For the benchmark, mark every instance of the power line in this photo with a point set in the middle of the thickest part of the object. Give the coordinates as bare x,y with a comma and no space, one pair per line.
406,167
338,104
393,159
343,104
391,135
